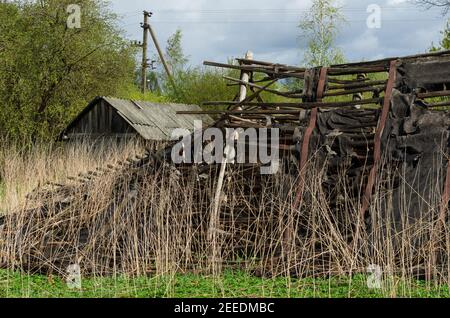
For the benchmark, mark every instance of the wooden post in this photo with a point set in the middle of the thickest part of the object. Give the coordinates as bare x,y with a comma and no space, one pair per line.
145,27
214,220
161,56
245,78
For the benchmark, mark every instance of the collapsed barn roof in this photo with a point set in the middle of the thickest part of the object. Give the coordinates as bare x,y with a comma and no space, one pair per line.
359,116
108,116
381,150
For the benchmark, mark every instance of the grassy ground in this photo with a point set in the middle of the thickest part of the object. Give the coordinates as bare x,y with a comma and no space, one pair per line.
23,172
232,284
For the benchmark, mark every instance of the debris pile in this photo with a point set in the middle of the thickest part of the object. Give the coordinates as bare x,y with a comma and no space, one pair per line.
364,161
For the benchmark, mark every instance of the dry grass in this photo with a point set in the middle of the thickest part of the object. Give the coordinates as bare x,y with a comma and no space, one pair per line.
153,219
23,169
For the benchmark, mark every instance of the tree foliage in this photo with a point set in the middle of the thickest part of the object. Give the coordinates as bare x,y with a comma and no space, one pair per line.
48,71
193,85
320,27
176,60
444,44
175,56
197,85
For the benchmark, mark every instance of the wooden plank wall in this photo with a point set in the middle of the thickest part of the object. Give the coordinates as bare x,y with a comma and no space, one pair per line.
101,120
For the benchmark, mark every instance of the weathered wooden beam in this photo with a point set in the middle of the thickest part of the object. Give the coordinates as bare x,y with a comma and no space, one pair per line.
239,112
266,89
358,84
433,94
230,66
378,139
346,82
440,104
354,91
272,65
259,69
244,112
251,61
248,99
295,105
357,70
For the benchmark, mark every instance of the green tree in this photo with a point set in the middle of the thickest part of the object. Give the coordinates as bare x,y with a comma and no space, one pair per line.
320,27
197,85
174,52
193,85
444,44
49,71
176,60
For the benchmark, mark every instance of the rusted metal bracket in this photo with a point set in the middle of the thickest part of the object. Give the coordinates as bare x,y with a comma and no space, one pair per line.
378,136
305,145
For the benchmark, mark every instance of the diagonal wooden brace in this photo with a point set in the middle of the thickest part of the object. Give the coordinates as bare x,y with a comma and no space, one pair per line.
306,140
378,136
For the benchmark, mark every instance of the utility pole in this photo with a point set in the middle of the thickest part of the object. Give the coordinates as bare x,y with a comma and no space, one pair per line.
145,26
161,55
145,61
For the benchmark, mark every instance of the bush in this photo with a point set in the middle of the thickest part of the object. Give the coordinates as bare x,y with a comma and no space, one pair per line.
49,72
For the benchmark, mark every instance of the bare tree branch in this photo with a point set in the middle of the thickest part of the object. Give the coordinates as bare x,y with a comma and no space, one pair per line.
443,4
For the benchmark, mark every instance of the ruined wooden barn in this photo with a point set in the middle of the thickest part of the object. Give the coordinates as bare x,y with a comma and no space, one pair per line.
361,118
108,117
365,179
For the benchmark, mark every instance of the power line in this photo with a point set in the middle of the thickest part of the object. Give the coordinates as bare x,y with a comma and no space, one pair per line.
279,22
285,11
258,11
200,19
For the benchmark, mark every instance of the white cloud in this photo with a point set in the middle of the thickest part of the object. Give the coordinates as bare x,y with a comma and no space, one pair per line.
395,2
216,30
365,43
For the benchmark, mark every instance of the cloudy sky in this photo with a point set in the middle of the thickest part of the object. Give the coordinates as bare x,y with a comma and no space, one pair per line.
221,29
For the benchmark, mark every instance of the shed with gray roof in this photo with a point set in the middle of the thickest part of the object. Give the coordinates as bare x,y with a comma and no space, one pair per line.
113,117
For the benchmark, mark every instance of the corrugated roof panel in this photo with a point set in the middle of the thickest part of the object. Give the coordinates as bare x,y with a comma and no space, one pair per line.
188,120
150,133
129,110
159,115
156,121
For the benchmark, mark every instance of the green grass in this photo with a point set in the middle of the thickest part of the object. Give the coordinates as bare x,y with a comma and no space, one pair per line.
231,284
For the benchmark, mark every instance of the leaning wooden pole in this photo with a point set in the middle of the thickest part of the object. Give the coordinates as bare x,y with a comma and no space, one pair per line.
161,56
